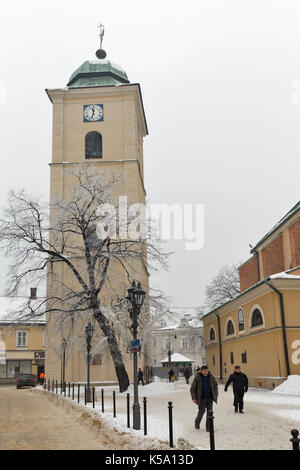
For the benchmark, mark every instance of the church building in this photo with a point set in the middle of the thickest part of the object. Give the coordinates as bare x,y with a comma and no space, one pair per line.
260,329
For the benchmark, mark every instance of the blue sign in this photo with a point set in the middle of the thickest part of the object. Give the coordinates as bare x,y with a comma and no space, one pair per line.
135,345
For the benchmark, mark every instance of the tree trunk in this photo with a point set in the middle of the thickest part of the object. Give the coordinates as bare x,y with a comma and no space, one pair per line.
113,349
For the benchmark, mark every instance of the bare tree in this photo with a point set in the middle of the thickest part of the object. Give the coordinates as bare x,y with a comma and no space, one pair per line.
223,288
40,245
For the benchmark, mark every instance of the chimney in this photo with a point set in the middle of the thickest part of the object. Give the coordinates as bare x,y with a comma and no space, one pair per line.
33,293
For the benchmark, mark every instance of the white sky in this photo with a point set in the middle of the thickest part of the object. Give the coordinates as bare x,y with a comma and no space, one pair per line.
217,82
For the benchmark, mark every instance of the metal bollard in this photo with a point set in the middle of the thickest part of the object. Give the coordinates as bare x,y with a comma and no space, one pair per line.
170,424
128,410
53,385
295,439
145,415
69,389
73,391
102,399
61,388
93,397
48,387
56,386
65,389
211,429
114,403
78,393
85,394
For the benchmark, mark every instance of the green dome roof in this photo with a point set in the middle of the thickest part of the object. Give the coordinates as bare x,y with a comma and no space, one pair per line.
99,72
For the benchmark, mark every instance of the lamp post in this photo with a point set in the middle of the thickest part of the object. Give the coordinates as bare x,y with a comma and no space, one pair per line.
89,330
169,344
136,297
64,347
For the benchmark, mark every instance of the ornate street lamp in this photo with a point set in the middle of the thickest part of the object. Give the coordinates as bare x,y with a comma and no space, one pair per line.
136,297
63,347
89,331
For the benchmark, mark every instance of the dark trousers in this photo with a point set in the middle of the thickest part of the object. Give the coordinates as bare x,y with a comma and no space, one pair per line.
140,380
205,403
187,379
238,399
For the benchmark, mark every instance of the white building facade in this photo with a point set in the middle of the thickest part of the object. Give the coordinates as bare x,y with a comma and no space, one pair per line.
185,338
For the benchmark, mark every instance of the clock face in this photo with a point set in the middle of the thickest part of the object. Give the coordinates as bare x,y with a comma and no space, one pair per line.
92,112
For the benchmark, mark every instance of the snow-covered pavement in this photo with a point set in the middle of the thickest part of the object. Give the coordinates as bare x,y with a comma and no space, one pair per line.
266,424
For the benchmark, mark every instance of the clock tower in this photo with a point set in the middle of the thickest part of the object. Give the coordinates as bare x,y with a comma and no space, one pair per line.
98,120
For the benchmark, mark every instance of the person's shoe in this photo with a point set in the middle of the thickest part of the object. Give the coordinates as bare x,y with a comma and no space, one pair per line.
235,410
197,426
241,411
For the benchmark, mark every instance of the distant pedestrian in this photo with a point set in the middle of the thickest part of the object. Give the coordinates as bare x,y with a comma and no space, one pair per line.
187,373
140,376
171,374
240,386
42,377
204,391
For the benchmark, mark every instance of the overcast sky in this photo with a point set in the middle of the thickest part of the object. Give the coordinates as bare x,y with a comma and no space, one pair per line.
220,84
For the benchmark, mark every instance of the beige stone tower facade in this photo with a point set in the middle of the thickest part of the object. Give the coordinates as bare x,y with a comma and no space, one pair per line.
98,120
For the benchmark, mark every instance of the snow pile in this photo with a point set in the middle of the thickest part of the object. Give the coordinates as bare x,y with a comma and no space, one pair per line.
291,386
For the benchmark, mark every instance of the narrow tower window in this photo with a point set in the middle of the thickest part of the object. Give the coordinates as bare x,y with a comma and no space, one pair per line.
93,145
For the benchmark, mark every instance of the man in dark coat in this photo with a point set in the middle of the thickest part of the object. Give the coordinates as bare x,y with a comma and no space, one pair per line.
140,376
187,373
240,386
204,390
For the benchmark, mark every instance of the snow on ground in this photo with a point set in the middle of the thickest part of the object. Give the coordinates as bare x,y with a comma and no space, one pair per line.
266,424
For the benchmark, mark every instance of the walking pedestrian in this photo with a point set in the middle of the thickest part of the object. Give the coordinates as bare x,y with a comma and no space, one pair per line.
187,373
171,375
240,386
204,391
42,377
140,376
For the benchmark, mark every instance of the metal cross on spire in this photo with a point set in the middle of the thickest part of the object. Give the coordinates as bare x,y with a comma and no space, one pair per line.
100,53
102,30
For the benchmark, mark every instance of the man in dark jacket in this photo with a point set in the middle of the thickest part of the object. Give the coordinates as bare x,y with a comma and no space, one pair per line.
140,376
240,386
204,390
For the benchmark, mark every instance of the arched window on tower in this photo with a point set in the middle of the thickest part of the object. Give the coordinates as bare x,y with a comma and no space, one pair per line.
93,145
212,335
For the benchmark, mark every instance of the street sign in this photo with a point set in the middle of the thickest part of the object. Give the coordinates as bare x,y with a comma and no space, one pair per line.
135,345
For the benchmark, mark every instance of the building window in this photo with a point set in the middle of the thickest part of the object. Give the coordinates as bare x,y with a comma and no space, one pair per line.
229,328
244,357
22,338
214,360
212,334
231,358
93,145
256,318
185,343
241,320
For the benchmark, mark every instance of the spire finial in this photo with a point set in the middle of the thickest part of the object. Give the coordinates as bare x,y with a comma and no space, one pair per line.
100,53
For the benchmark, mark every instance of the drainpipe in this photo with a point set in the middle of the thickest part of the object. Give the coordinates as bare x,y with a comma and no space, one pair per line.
220,347
283,326
258,268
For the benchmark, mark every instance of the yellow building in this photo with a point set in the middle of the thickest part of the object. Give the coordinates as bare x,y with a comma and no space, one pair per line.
260,329
98,120
22,344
